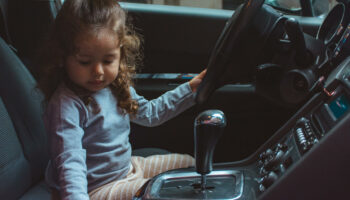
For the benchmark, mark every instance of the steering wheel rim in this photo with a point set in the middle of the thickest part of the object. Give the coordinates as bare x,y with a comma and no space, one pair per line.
228,40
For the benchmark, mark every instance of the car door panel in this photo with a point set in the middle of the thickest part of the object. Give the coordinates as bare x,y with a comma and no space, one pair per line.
245,109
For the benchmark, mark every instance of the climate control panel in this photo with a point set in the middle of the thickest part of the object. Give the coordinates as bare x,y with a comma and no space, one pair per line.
305,135
274,161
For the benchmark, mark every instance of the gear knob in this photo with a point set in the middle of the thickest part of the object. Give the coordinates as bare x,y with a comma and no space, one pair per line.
208,128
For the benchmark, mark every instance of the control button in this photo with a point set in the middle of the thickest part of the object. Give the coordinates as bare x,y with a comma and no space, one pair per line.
269,152
304,147
302,121
301,136
282,147
309,133
287,162
314,140
279,156
309,144
269,165
274,161
264,155
263,172
269,179
262,188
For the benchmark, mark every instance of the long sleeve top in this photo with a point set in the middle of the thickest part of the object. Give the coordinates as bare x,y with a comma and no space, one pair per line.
87,149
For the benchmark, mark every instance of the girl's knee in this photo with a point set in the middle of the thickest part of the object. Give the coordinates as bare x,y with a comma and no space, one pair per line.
157,164
121,191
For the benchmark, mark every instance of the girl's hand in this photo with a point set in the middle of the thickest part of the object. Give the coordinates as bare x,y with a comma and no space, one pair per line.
194,83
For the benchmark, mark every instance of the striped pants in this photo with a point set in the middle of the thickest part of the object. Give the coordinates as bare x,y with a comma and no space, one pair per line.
142,170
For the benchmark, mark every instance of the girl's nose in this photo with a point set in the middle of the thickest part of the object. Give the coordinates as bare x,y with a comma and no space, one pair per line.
98,69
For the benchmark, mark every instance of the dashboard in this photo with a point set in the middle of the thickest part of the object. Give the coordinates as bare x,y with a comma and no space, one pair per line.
310,154
335,31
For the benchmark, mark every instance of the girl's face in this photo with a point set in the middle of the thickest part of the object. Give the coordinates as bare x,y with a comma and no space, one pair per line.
97,61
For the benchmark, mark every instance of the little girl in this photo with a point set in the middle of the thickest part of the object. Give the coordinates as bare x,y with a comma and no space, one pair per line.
86,76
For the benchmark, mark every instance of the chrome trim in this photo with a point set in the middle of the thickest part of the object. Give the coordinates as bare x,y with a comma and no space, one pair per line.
155,185
211,117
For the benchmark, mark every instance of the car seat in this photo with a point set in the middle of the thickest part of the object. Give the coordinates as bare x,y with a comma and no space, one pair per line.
23,152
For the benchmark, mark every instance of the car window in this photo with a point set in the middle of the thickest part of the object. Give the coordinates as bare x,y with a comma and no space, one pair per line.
216,4
320,7
292,5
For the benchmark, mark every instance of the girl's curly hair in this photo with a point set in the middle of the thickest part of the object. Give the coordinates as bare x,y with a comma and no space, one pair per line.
75,17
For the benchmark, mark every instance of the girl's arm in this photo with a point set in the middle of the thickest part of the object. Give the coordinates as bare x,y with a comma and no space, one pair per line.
64,125
168,105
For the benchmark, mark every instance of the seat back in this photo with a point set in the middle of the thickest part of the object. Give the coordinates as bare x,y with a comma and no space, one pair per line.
25,24
4,31
23,148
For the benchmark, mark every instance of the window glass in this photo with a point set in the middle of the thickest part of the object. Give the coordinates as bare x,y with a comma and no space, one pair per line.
292,5
322,7
216,4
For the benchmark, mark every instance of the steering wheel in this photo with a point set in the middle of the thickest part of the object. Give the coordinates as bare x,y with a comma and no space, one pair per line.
227,60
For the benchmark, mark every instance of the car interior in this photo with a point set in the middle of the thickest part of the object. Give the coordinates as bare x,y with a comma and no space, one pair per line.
271,119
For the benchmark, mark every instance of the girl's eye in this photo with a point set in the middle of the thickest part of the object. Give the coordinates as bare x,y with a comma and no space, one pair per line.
107,62
85,63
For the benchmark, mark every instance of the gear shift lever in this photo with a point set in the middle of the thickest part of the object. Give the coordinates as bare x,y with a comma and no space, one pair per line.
208,127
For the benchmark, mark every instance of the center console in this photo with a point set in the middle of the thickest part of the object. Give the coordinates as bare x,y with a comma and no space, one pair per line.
307,158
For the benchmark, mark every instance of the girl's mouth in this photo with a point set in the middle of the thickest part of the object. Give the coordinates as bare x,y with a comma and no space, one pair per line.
96,82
